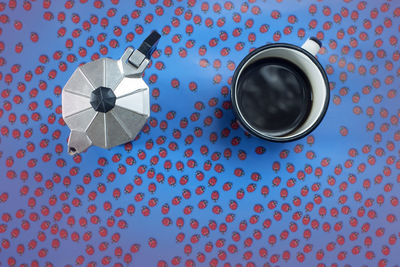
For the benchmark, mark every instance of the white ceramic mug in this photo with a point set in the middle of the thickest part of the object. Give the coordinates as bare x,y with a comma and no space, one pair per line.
304,58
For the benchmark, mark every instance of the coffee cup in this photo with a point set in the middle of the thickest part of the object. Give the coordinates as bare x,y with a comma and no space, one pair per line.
280,92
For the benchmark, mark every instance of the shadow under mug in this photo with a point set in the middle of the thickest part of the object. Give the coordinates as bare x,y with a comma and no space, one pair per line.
304,58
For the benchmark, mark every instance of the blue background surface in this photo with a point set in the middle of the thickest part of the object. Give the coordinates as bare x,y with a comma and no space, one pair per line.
342,132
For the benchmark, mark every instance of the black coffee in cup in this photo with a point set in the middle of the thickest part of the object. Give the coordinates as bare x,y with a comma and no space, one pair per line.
274,96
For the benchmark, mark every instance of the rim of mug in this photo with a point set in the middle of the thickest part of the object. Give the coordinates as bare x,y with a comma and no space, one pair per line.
239,116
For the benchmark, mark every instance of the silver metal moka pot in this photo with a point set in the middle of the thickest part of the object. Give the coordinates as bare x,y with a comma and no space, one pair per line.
106,102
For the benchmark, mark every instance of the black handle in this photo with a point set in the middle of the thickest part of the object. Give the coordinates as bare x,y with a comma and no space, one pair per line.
150,44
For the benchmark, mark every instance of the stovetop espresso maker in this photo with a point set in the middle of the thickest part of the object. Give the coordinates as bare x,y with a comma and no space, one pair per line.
106,102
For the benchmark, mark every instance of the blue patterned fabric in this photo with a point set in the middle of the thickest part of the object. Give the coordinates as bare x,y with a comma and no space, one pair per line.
194,189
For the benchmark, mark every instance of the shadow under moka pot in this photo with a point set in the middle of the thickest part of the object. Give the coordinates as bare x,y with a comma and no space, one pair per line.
280,92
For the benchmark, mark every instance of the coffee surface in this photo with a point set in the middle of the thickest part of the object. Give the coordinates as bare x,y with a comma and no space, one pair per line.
274,96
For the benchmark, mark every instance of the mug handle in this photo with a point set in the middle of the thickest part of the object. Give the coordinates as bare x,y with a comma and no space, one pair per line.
312,45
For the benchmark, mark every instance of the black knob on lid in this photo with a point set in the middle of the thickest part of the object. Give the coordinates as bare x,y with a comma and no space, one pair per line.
102,99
